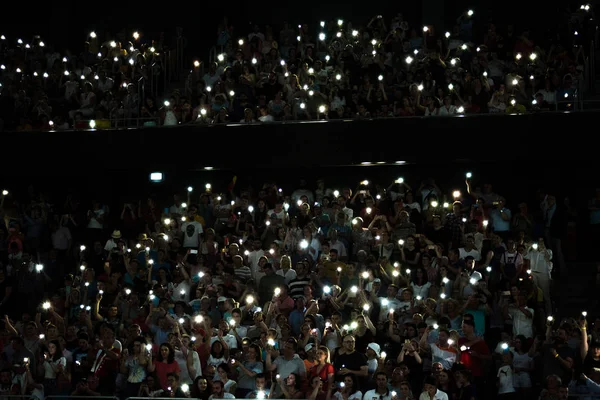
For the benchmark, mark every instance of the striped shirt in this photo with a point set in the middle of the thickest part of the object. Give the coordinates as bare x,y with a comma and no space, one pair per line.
243,273
296,286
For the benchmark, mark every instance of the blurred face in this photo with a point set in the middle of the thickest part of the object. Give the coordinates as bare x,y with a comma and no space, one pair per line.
291,380
217,387
430,389
164,352
202,384
288,350
260,383
443,377
381,381
348,382
349,343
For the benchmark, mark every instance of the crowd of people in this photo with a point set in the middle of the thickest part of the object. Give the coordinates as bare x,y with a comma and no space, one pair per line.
383,291
388,67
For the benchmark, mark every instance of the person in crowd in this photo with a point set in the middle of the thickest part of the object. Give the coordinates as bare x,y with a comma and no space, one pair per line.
118,326
477,66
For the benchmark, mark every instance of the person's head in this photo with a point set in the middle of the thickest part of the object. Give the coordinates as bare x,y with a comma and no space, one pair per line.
5,377
563,392
381,380
349,343
462,376
468,324
430,386
201,384
553,382
217,389
405,390
322,354
561,335
166,353
350,383
443,377
520,343
173,381
223,371
507,357
443,336
289,348
292,380
260,381
436,368
392,291
595,349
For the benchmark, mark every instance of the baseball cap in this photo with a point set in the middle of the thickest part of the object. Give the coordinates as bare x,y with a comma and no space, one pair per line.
375,347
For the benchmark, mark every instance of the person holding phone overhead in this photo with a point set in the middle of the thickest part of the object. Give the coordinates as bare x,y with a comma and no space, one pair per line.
192,230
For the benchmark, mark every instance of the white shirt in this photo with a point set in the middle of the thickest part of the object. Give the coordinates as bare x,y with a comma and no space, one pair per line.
349,213
538,262
421,291
288,276
354,396
225,396
450,110
505,373
110,245
242,331
106,85
521,324
463,253
332,341
439,395
49,372
253,258
372,394
176,290
277,217
191,233
385,309
94,224
184,374
229,339
340,247
176,209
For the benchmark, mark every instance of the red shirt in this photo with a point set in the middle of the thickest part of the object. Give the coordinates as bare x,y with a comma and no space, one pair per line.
162,369
323,374
103,366
475,364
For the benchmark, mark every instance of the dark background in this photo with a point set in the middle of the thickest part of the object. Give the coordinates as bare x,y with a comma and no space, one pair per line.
521,155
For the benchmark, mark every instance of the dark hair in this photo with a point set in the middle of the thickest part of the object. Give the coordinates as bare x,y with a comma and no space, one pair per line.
195,392
174,375
355,385
430,380
140,339
258,351
58,354
224,367
220,382
170,357
217,355
260,376
424,280
524,343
